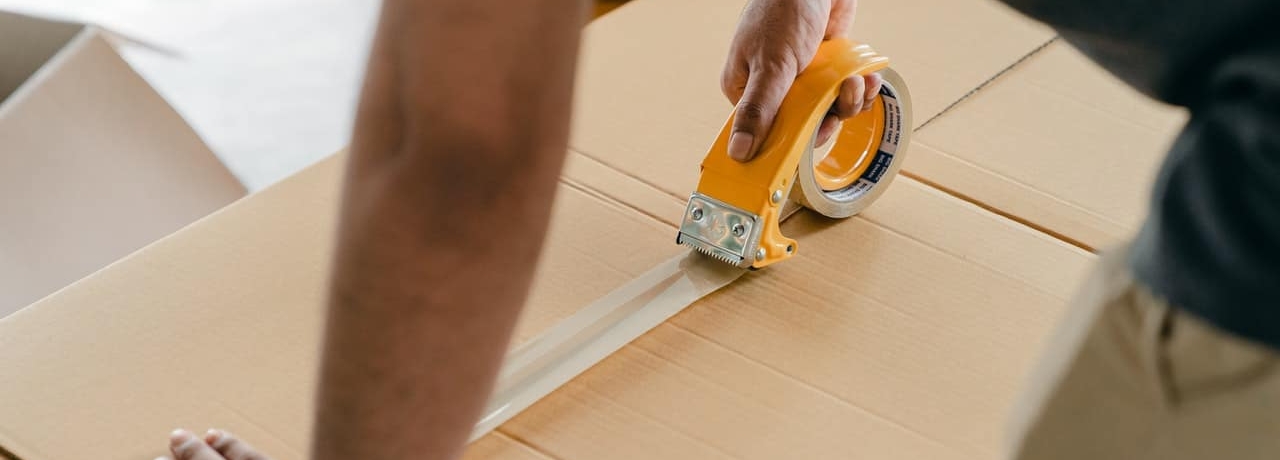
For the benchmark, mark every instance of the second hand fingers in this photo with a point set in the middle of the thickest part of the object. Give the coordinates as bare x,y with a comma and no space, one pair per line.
186,446
873,83
830,124
850,99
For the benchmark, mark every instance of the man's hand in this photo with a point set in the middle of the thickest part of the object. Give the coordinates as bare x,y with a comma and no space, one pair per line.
774,42
215,445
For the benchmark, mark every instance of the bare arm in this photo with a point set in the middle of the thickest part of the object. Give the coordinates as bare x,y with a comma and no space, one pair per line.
459,139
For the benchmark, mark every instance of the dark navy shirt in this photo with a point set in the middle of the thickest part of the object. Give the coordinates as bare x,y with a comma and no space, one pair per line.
1211,245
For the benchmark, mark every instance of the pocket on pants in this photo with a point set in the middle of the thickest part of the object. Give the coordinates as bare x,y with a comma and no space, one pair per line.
1198,361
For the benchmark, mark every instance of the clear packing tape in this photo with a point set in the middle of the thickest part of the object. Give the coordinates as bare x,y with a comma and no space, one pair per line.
836,180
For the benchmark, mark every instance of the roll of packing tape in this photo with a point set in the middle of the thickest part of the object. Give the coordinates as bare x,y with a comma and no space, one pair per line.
846,175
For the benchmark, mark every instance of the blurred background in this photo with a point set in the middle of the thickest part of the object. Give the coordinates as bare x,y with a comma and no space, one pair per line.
270,85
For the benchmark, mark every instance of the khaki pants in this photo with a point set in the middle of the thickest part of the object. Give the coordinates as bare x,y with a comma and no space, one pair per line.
1126,377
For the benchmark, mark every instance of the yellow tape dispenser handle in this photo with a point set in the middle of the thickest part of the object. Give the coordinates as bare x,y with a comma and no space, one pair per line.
735,212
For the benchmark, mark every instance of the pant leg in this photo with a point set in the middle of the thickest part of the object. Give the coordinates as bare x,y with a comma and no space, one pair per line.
1127,377
1224,392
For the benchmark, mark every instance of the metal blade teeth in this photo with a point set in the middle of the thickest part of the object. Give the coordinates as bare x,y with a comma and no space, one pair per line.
709,252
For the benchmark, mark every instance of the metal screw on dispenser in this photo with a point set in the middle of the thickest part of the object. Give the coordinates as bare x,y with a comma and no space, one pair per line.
739,230
760,254
777,196
696,214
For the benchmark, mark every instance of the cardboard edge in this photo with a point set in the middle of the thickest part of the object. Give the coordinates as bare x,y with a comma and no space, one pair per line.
10,450
94,33
336,156
119,39
37,79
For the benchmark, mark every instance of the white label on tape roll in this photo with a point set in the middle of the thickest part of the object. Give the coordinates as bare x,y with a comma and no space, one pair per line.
884,155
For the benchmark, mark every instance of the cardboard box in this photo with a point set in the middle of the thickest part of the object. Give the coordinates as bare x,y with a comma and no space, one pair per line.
93,163
1056,142
899,334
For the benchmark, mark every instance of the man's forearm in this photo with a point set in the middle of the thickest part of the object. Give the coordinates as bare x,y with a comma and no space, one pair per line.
459,139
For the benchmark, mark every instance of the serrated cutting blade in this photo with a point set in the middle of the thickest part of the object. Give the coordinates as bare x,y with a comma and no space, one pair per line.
722,231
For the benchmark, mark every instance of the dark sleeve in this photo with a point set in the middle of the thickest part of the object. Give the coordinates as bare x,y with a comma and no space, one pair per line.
1212,242
1157,46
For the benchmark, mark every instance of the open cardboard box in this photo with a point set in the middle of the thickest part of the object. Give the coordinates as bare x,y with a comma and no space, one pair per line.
898,334
93,163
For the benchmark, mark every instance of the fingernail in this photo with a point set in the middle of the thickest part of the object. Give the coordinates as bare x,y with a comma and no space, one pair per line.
179,437
212,436
162,458
740,145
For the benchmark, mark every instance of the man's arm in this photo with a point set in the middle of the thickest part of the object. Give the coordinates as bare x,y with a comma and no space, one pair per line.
459,139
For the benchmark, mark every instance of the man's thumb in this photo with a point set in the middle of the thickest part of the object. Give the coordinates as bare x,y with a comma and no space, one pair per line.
756,110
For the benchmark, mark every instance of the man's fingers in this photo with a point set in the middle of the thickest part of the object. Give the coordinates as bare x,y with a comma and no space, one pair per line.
232,447
766,87
830,124
873,84
850,100
186,446
842,13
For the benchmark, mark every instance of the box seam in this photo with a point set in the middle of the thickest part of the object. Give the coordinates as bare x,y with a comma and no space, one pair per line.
542,454
988,82
610,201
982,204
890,421
999,212
627,174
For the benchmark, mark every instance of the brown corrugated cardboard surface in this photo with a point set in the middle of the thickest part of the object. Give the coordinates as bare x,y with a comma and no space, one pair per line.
882,339
219,323
1056,142
93,163
650,72
900,333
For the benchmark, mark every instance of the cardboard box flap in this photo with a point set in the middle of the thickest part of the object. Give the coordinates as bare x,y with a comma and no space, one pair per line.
26,44
151,339
93,165
1056,142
